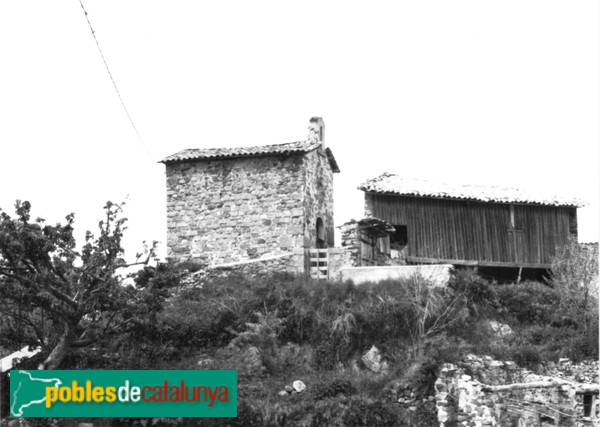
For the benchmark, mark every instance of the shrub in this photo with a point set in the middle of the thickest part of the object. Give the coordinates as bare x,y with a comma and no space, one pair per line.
574,275
329,354
479,293
429,310
527,302
527,356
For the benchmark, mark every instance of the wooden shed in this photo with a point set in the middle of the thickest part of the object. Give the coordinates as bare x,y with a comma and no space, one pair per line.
471,225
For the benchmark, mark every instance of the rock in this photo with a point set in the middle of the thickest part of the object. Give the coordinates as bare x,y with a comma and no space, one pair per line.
283,393
373,362
500,329
289,388
450,367
299,386
563,360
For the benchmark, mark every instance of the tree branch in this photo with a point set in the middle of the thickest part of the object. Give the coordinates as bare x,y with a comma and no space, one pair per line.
51,289
83,343
28,322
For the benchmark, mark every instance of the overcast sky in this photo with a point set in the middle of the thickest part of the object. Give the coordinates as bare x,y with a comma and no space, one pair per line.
474,92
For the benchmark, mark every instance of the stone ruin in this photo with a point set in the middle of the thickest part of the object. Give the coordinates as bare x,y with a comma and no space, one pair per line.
481,391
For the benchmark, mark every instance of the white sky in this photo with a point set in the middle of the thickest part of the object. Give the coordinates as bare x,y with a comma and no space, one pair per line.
473,92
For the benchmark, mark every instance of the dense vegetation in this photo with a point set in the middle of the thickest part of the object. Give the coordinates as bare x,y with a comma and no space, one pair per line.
317,331
57,298
284,328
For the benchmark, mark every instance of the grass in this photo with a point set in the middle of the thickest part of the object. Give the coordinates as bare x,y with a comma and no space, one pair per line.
317,332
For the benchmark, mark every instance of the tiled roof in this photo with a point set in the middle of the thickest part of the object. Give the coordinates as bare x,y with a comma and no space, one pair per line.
260,150
388,183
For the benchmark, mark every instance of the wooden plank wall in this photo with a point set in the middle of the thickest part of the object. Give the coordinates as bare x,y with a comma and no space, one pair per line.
475,231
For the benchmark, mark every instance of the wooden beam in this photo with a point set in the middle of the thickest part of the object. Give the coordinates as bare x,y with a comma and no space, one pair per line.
470,263
579,388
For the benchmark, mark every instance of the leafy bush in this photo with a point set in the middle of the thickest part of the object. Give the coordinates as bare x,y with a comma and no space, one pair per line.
480,294
528,356
527,303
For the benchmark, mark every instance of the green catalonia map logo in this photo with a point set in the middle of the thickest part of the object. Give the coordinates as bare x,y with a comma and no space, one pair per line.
67,394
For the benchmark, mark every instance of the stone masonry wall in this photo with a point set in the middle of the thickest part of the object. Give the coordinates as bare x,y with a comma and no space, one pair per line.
461,401
318,197
350,243
233,210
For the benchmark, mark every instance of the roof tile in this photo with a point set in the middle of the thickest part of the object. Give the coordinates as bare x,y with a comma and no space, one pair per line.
260,150
388,183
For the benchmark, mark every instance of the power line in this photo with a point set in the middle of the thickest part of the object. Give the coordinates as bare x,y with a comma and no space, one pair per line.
113,82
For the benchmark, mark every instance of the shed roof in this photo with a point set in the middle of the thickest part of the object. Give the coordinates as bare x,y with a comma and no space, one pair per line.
388,183
192,154
376,226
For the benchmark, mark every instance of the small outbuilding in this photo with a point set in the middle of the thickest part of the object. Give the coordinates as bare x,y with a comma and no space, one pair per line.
239,205
470,225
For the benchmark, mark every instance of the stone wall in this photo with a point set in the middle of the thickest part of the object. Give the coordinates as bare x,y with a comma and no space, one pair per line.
350,244
233,210
291,262
318,197
463,398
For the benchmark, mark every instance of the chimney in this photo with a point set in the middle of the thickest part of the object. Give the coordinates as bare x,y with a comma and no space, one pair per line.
316,130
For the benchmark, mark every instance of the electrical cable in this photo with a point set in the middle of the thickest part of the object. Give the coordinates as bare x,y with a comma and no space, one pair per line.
113,82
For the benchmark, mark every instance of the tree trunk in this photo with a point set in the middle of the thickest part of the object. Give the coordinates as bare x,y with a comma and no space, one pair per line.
61,349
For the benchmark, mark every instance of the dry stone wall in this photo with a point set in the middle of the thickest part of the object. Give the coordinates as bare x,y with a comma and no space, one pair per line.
234,210
462,399
350,243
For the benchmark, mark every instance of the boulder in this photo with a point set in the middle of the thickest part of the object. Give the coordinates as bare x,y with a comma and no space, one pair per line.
299,386
373,361
501,330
